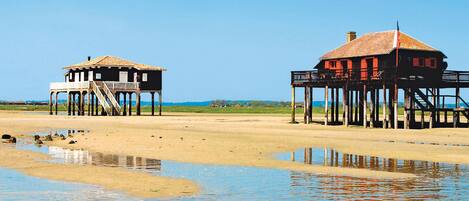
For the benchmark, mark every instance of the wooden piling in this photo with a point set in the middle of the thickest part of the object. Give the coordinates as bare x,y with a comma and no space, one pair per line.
152,103
345,103
337,105
293,105
56,102
69,103
372,107
138,103
50,102
130,104
89,103
160,102
332,105
365,121
396,111
385,121
326,104
124,112
310,105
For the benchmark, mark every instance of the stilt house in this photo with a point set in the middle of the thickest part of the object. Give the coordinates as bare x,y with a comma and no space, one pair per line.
104,81
383,62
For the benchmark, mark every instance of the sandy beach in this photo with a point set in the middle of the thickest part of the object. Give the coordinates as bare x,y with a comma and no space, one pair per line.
226,139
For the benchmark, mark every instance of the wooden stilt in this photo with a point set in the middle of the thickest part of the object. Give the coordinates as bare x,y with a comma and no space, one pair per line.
438,106
56,102
332,105
372,107
357,106
337,105
406,108
360,105
326,104
97,105
50,102
130,104
69,103
310,105
391,108
345,103
396,114
293,105
89,103
124,112
152,103
73,103
365,121
160,102
377,105
138,104
422,119
92,104
385,121
433,112
457,103
82,101
305,105
445,111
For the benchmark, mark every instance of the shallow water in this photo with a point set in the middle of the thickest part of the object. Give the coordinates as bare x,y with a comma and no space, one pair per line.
435,181
17,186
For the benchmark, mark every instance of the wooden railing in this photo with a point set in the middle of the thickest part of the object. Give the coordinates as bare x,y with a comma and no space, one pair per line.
455,76
69,85
101,98
111,97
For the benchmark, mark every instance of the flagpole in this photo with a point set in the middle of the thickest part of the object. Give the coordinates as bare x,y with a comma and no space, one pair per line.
396,89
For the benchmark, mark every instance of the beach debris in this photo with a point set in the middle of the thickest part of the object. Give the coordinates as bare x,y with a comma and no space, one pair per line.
203,138
182,138
62,137
38,141
72,142
56,134
70,135
37,137
152,136
6,136
160,137
48,138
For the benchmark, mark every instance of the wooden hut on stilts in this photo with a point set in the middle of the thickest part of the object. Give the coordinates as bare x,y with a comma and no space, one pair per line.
105,86
371,70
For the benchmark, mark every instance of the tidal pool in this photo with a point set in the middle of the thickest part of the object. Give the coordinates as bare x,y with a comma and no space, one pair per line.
435,181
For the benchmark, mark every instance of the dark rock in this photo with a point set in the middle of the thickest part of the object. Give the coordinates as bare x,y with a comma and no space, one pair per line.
152,136
36,137
70,135
160,137
72,142
48,138
38,141
62,137
13,140
6,137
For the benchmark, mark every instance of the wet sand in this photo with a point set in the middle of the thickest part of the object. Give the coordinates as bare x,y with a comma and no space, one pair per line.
244,140
133,183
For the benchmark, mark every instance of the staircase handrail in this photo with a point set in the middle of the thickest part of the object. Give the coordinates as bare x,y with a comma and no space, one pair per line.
111,97
101,97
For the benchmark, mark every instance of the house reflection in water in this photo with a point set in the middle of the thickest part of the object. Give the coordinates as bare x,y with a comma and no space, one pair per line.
83,157
332,157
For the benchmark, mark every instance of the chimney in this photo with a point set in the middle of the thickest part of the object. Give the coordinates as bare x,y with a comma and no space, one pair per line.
89,58
351,35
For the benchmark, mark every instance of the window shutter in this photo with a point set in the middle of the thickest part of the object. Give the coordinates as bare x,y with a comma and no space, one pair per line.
415,62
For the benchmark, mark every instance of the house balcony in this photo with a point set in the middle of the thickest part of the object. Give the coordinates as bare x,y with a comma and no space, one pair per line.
87,85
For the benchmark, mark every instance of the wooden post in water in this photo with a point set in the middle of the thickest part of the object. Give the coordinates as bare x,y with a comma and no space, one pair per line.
456,115
433,112
357,106
293,105
326,106
305,105
97,105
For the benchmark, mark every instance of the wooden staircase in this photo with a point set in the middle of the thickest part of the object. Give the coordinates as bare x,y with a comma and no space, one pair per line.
106,98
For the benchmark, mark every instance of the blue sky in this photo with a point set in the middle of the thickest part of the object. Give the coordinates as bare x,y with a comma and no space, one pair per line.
212,49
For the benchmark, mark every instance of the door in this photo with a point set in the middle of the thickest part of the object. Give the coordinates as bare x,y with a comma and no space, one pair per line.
123,76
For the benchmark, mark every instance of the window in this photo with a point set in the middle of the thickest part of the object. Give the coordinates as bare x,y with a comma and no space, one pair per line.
333,64
430,62
98,76
90,76
418,62
144,77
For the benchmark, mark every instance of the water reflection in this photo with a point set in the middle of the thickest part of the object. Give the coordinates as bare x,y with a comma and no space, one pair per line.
334,158
83,157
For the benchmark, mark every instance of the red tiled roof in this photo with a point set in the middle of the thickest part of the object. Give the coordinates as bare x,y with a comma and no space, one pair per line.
112,61
375,44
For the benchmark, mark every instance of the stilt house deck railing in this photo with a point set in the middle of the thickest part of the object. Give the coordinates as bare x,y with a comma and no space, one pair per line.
86,85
